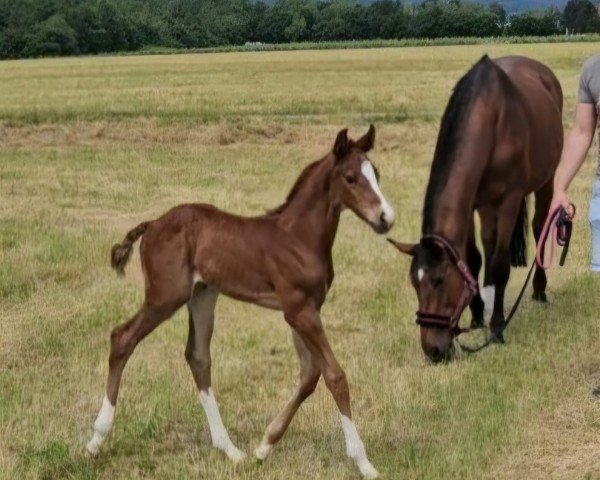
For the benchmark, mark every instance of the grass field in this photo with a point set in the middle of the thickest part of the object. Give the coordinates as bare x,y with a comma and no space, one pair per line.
91,146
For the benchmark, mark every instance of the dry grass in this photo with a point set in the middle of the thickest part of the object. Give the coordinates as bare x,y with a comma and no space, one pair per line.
90,146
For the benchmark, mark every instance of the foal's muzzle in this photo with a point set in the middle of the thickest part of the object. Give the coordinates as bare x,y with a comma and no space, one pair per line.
383,224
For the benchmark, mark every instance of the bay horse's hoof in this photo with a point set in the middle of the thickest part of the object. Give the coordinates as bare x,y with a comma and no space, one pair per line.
540,297
498,337
476,324
596,392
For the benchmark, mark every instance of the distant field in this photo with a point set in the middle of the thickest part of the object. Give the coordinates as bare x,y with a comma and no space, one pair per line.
351,44
91,146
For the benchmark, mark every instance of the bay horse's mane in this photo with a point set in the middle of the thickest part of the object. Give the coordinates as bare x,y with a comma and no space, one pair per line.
468,88
302,179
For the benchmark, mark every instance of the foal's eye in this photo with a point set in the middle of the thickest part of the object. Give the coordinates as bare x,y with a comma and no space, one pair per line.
350,179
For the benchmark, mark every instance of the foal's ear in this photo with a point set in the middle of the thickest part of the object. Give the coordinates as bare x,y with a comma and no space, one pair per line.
367,141
341,145
407,248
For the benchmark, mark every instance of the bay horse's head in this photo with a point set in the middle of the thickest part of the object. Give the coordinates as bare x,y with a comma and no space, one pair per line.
444,287
355,181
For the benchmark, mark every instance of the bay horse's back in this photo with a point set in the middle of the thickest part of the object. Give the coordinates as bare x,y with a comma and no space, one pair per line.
542,98
527,68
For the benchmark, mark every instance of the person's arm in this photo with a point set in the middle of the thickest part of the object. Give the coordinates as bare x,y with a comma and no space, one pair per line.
576,147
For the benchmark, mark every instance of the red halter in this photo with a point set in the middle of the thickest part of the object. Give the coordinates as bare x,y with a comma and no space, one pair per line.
470,288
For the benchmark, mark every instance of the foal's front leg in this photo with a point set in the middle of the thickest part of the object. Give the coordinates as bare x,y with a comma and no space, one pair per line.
310,373
197,353
307,323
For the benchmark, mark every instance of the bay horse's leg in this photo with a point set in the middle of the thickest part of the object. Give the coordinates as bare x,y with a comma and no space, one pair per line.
309,377
543,198
197,354
474,262
307,323
123,341
507,216
489,233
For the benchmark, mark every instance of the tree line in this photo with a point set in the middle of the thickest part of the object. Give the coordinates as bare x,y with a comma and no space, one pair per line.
31,28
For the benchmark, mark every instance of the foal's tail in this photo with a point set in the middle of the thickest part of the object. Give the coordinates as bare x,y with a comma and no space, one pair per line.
518,242
120,252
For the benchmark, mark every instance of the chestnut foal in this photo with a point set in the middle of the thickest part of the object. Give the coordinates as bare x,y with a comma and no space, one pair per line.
281,260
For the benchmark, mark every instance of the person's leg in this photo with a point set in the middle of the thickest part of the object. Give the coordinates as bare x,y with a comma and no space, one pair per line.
594,217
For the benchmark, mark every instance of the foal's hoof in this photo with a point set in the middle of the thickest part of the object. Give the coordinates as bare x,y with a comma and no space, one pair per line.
235,454
90,452
540,297
92,448
262,451
596,392
367,470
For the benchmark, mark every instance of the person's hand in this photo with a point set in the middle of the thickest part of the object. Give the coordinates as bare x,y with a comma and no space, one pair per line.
561,199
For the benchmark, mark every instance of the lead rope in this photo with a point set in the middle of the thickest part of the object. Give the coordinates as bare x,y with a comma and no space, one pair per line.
560,224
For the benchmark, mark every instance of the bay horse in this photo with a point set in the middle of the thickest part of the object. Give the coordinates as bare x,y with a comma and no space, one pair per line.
500,139
281,260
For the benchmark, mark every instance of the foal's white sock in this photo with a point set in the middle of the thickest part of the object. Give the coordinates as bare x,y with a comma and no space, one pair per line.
356,450
102,427
220,437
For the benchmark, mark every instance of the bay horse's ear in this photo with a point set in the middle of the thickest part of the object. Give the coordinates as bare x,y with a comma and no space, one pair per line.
341,145
367,141
407,248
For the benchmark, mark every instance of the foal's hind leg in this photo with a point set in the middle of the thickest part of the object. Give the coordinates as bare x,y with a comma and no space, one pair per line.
543,198
123,340
309,377
197,353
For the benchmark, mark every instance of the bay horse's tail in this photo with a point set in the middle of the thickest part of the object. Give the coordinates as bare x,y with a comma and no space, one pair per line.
120,252
518,242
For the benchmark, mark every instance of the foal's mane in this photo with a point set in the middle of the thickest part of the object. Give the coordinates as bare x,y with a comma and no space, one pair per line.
459,107
306,174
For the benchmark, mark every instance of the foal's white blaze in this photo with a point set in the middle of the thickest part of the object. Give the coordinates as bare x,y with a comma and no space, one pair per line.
102,427
220,437
420,274
369,173
488,295
356,450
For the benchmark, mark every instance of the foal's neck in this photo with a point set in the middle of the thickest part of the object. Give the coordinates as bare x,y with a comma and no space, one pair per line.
311,214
